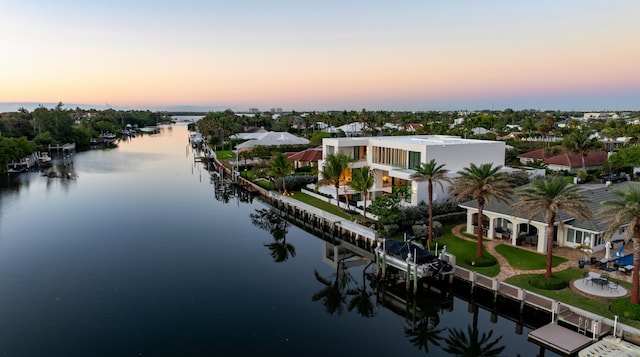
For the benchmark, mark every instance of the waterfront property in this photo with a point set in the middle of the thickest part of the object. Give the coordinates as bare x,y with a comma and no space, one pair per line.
395,158
498,222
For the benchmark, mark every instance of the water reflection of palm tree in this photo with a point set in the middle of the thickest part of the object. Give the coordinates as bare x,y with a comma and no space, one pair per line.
472,344
361,301
334,294
425,332
270,221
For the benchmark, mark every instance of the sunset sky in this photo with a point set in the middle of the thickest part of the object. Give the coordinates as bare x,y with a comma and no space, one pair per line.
323,55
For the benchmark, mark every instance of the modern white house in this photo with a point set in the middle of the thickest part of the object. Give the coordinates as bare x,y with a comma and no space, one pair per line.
395,158
498,222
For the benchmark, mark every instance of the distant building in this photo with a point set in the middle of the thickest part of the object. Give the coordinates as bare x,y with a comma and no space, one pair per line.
269,138
308,157
565,160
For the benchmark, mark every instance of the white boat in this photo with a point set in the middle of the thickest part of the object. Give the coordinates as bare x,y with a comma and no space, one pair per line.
108,138
196,139
409,255
149,129
610,346
44,158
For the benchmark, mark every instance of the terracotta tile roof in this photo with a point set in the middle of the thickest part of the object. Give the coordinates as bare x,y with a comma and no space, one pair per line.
593,158
535,154
309,155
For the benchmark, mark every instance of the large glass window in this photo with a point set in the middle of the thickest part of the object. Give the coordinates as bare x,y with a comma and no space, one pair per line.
414,160
578,237
389,156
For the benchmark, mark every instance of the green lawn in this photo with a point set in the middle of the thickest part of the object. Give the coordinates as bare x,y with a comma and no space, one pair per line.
464,250
323,205
225,154
567,296
526,260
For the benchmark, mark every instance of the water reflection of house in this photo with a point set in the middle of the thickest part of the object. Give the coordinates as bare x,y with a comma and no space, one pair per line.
498,222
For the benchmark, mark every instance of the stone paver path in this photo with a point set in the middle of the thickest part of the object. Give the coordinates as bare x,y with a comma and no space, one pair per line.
506,270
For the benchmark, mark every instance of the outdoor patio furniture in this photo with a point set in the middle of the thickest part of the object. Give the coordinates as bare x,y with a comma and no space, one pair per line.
626,268
586,277
613,286
600,281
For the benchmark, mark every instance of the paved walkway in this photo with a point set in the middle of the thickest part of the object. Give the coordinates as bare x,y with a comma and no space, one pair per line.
506,270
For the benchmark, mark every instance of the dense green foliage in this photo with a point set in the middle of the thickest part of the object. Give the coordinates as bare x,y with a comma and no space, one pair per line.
552,283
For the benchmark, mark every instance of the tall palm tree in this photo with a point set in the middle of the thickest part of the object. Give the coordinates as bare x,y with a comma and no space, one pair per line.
333,171
621,212
281,167
362,180
432,173
581,142
551,198
481,183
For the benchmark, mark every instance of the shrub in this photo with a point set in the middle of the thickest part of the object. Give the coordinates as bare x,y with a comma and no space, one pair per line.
555,283
390,229
487,261
623,307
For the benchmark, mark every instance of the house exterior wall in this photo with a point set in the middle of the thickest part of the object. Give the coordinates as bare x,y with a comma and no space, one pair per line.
390,155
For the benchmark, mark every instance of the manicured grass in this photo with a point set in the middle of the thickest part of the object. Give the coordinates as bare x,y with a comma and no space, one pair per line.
569,297
225,154
264,184
464,251
323,205
526,260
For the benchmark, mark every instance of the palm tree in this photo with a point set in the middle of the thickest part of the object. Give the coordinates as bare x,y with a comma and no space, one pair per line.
362,180
432,173
333,171
481,183
551,198
581,142
281,167
621,212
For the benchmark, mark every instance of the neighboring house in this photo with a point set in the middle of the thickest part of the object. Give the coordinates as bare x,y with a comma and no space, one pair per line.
269,138
395,158
480,131
309,157
499,223
565,161
573,162
352,129
411,128
530,156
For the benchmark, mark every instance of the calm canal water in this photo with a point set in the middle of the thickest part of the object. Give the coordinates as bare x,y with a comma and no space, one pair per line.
138,256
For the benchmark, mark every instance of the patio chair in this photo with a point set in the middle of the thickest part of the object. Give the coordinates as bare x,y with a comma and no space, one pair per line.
604,276
586,277
613,286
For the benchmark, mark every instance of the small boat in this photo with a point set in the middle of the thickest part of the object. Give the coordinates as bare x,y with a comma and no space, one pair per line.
149,129
402,255
610,346
44,159
108,138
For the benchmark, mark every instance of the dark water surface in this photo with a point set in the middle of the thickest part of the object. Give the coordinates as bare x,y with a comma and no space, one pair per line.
136,256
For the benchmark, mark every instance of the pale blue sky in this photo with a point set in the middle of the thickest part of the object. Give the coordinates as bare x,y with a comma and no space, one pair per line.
305,55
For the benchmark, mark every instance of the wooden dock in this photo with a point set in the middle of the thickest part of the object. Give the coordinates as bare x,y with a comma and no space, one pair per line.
574,318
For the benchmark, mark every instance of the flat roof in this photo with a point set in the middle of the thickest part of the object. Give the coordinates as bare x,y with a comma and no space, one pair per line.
417,140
